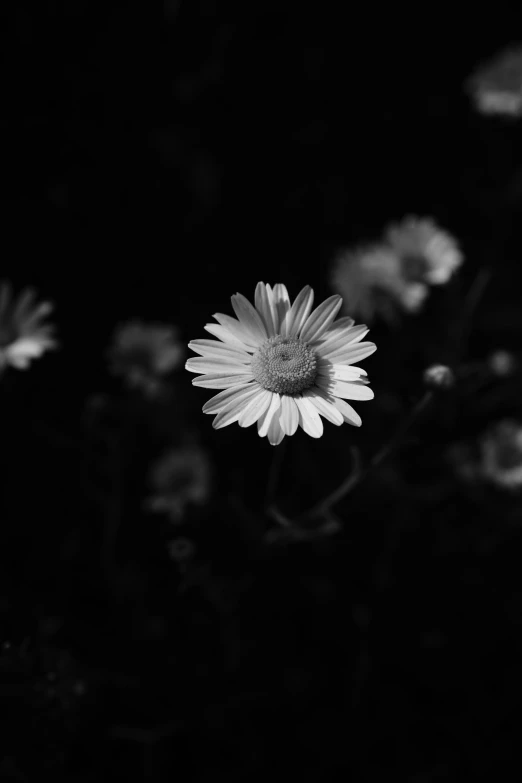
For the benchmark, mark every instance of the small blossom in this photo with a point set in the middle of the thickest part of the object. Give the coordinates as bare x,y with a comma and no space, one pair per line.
438,376
144,353
427,253
180,477
502,363
24,335
496,86
282,365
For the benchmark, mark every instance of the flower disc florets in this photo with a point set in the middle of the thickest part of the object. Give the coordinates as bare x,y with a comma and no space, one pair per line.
284,365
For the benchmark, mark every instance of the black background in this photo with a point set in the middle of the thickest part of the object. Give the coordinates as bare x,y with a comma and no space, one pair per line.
157,158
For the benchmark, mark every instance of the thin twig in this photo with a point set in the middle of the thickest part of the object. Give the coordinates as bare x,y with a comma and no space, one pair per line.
471,303
357,475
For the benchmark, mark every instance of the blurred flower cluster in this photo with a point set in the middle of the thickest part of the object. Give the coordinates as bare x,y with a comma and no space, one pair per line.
381,279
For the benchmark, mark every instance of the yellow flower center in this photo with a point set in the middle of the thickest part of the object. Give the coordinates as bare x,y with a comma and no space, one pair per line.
284,365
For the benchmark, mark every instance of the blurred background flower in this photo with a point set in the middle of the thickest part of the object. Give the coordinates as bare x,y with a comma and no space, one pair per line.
496,85
372,284
495,456
393,275
24,335
180,477
502,363
501,452
427,253
142,354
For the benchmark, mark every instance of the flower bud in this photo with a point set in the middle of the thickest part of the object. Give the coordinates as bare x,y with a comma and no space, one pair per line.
439,376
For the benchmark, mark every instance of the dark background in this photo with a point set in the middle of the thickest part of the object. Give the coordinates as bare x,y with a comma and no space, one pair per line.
157,159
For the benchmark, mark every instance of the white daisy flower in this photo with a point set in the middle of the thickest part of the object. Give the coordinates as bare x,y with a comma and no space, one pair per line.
143,353
496,86
282,365
24,335
501,451
427,253
370,279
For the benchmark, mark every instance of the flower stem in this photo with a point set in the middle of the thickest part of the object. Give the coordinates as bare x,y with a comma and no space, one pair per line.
357,475
471,303
273,476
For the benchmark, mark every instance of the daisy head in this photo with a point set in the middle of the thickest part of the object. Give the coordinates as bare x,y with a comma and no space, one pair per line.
24,333
496,86
143,353
180,477
370,279
282,365
428,255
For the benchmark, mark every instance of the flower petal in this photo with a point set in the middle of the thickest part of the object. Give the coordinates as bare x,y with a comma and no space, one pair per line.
237,329
340,372
275,432
219,401
349,414
341,339
209,364
321,319
224,334
256,407
282,306
263,306
289,417
299,311
24,304
249,318
352,353
273,309
350,391
220,380
324,407
213,348
231,412
309,418
263,422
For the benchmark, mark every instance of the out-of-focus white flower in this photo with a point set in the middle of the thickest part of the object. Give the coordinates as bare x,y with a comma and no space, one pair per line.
496,86
144,353
371,281
180,477
494,457
283,365
439,376
24,335
501,450
502,363
427,253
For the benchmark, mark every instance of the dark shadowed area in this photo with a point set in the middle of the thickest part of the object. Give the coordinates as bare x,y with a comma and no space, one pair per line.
157,159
